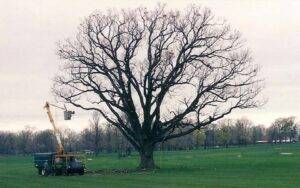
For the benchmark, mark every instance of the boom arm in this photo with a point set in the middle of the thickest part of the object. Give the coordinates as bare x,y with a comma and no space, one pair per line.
60,148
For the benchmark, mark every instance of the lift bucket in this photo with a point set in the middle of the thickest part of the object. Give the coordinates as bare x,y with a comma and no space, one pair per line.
68,114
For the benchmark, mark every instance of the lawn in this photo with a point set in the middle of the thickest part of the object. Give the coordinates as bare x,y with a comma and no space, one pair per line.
254,166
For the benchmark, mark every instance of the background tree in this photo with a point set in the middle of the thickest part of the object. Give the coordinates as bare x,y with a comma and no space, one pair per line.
87,139
168,72
289,129
8,143
97,130
199,136
283,129
242,131
256,133
273,134
224,132
210,136
24,141
44,141
70,140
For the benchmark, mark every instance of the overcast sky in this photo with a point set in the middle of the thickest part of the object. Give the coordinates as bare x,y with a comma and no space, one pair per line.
30,29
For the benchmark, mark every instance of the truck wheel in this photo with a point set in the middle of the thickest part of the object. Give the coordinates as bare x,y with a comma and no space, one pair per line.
44,172
39,171
58,172
81,172
66,173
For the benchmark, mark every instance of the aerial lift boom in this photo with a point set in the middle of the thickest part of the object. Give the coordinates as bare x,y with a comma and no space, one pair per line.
60,148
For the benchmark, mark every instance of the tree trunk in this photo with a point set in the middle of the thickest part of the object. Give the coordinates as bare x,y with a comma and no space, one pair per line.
146,158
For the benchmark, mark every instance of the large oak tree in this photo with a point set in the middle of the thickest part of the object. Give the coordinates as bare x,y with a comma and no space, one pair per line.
157,74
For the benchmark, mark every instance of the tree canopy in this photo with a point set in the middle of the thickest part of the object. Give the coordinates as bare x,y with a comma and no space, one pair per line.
157,74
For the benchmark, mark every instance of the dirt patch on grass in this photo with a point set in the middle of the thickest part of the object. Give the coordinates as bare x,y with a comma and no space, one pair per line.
116,171
286,153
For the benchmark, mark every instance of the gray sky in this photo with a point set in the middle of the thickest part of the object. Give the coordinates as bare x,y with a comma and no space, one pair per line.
30,29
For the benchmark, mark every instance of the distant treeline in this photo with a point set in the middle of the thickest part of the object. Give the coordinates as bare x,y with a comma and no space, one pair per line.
108,139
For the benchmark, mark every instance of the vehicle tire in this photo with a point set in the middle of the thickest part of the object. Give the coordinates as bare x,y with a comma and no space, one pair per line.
40,171
44,172
81,172
66,173
58,172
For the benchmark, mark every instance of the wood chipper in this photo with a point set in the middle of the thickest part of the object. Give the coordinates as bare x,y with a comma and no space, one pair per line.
59,162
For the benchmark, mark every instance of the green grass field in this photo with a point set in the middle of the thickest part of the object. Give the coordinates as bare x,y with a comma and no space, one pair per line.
260,166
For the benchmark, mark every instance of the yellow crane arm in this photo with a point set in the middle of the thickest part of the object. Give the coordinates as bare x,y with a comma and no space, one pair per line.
60,148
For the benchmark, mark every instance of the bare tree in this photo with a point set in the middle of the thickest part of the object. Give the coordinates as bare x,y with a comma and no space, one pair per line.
97,131
70,140
224,132
283,129
242,131
169,72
